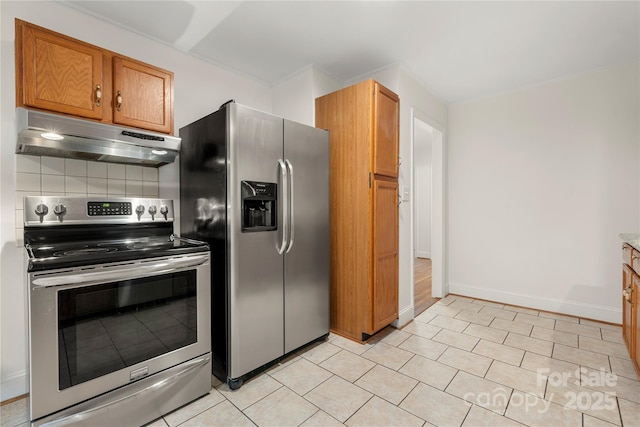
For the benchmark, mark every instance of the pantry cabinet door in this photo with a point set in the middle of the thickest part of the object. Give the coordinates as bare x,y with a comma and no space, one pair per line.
385,132
385,253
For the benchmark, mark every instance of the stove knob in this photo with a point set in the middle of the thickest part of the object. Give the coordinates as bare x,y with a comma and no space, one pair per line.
139,211
41,210
164,210
153,210
60,210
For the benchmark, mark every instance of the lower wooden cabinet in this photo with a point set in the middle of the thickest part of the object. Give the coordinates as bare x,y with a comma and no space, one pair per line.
635,319
627,306
630,301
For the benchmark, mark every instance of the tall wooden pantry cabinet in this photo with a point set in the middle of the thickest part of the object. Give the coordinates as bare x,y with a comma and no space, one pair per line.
363,123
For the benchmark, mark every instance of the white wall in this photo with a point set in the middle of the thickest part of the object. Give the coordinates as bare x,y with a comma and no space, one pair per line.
324,84
294,97
200,88
540,183
416,100
422,147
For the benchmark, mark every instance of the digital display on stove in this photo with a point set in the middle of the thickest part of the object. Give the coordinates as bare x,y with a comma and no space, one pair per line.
109,208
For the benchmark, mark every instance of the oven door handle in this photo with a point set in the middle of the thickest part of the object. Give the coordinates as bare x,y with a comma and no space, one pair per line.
130,271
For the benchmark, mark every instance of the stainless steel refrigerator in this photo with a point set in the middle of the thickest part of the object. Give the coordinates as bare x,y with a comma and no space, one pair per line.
256,188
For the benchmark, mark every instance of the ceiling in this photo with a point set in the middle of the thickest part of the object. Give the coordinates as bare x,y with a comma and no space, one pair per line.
458,50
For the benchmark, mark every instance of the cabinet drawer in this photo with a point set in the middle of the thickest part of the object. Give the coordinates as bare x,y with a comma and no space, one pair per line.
627,250
635,261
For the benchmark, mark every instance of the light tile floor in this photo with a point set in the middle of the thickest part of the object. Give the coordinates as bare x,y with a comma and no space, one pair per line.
462,362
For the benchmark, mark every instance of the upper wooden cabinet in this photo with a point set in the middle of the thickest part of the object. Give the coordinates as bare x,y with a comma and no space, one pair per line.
61,74
363,131
142,95
57,73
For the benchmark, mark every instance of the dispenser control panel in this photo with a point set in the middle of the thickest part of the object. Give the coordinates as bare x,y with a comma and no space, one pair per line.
259,200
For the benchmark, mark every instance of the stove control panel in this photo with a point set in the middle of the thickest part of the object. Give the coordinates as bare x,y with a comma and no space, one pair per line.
108,208
56,210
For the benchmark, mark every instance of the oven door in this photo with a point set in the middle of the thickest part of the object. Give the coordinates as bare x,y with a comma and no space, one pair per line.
94,329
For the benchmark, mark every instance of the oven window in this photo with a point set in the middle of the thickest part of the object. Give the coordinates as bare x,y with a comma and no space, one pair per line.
107,327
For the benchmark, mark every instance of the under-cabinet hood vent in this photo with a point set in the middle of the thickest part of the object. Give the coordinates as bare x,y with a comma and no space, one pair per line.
46,134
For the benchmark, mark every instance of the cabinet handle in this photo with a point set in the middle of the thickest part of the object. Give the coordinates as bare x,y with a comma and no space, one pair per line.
626,293
118,101
98,95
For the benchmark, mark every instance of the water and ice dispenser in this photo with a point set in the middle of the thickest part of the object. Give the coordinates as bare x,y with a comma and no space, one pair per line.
259,201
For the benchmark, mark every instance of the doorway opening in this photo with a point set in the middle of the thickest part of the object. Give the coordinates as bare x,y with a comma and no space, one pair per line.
422,295
428,220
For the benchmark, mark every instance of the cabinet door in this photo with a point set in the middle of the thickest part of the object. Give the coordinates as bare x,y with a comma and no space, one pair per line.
627,285
385,254
58,74
142,96
635,324
385,132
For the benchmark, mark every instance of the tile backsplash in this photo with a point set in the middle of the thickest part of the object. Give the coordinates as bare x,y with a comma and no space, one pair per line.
53,176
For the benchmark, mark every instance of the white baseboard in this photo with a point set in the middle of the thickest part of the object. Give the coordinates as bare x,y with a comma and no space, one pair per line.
589,311
405,316
423,254
14,385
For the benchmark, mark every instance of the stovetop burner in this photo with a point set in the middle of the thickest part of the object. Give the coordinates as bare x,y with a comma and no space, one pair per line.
151,244
83,251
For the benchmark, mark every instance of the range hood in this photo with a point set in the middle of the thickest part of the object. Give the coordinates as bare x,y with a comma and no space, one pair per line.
46,134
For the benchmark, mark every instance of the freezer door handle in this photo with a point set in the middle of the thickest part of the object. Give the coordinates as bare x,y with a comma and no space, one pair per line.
292,216
285,203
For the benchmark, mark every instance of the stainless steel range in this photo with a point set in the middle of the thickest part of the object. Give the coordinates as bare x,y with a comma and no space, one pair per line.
119,311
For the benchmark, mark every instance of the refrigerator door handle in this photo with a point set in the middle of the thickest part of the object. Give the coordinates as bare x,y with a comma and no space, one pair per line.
285,203
291,204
